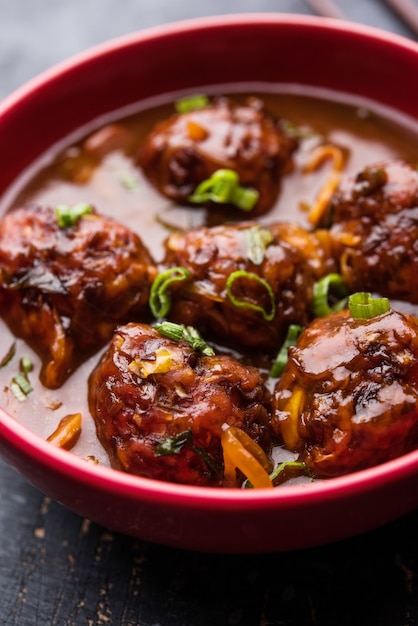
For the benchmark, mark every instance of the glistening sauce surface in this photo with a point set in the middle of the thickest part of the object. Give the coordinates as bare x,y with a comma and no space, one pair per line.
115,185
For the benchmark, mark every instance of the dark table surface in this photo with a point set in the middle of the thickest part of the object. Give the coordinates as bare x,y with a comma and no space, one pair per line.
57,568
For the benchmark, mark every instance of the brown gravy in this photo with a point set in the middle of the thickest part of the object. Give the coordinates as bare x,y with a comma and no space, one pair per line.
116,186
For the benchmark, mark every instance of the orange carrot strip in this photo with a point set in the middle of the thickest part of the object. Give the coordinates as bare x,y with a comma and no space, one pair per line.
67,432
318,156
243,453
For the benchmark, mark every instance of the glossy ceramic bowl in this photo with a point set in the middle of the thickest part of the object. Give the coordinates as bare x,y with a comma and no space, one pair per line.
184,56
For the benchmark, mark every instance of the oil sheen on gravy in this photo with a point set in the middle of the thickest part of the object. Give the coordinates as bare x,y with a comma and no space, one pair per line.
114,184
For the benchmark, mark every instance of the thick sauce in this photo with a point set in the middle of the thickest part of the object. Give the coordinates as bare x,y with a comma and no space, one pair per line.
104,173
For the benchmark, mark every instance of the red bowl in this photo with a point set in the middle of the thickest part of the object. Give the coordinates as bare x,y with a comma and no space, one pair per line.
273,49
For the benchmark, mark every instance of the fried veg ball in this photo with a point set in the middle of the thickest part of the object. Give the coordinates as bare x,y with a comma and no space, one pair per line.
348,397
374,228
64,288
246,283
160,406
188,148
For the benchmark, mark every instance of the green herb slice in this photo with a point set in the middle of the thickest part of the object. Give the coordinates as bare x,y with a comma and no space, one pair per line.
281,359
329,295
223,187
258,240
292,465
25,365
68,215
191,103
9,355
176,332
243,303
173,444
160,299
362,305
22,383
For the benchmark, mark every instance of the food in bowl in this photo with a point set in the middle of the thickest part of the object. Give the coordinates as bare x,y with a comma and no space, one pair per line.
189,147
64,288
172,253
348,397
53,116
164,409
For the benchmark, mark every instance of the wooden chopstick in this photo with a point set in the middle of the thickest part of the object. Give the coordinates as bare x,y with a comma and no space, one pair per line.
326,8
407,10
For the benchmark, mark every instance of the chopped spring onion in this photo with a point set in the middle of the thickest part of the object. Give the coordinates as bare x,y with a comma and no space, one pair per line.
191,103
17,392
129,181
279,364
69,215
176,332
328,287
160,300
21,387
239,275
25,365
362,305
223,188
295,465
243,453
258,240
173,444
9,355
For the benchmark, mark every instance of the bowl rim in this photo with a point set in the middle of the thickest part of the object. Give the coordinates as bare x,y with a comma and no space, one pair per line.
139,488
203,23
106,479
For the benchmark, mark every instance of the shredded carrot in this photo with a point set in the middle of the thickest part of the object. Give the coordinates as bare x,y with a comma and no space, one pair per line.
60,347
196,131
67,432
243,453
289,429
318,156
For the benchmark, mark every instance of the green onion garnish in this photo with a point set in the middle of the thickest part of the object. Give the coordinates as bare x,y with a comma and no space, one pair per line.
223,188
232,281
281,359
191,103
129,181
69,215
292,465
17,392
176,332
160,300
9,355
328,287
297,466
258,240
21,386
26,365
173,444
362,305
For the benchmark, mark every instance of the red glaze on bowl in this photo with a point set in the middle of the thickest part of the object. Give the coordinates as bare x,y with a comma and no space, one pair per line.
184,56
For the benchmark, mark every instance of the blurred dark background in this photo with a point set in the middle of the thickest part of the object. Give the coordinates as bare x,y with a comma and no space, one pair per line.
35,34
